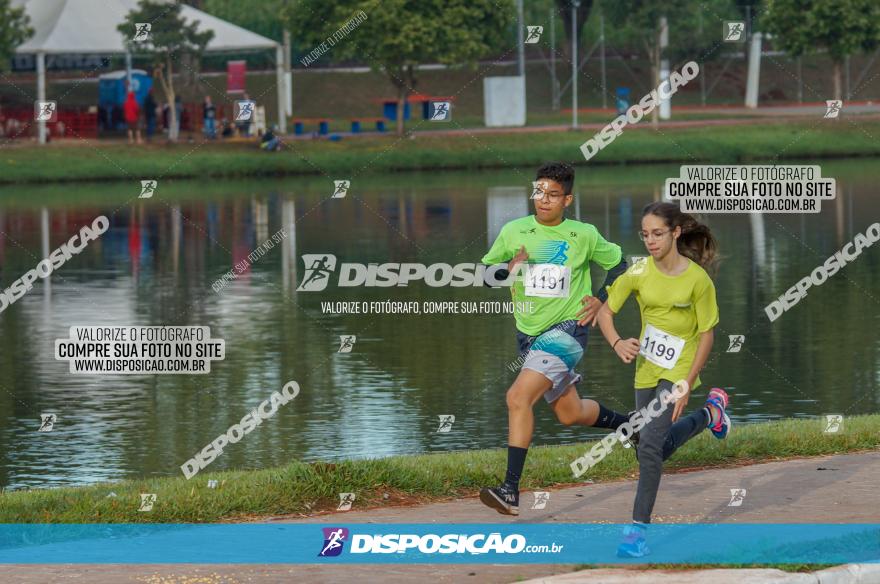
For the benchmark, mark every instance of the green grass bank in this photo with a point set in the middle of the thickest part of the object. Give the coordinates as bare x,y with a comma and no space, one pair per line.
309,488
352,158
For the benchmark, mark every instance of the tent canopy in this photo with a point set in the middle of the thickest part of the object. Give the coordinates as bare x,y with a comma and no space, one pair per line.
89,26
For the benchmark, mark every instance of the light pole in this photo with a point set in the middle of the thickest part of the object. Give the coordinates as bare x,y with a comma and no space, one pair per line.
521,52
575,4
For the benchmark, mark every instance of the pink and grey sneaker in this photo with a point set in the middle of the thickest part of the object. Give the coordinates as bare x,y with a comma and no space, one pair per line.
716,406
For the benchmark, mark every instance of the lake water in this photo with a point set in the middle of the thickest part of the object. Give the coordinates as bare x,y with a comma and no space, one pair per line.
157,263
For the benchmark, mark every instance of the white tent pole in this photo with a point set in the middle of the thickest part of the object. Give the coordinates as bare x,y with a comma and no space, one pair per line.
281,84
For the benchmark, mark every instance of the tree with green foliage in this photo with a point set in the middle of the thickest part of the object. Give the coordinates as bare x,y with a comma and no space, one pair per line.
14,30
396,36
170,37
259,16
841,27
638,23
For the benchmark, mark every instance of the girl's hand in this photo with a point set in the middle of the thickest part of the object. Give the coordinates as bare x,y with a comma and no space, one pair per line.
680,405
627,349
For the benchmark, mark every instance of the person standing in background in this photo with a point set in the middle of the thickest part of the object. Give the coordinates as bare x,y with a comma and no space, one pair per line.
209,115
244,126
150,114
178,111
132,111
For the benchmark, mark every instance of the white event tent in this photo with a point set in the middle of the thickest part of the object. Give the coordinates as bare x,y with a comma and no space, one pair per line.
89,26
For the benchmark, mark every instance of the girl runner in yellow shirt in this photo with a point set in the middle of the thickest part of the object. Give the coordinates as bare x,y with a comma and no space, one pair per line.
677,304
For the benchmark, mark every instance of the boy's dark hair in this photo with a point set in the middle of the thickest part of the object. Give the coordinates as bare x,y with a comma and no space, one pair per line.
560,172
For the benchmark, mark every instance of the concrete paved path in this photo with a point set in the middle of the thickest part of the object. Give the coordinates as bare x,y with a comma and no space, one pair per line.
830,489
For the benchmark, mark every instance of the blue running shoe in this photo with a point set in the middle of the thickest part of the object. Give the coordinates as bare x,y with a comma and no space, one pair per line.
633,544
716,405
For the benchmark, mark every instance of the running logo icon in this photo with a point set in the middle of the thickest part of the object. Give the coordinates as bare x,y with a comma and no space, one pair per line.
244,110
737,496
733,31
340,188
47,422
533,34
45,111
541,500
552,252
833,423
147,501
637,264
446,422
346,343
538,188
832,108
334,541
318,270
142,31
148,187
345,501
736,343
441,111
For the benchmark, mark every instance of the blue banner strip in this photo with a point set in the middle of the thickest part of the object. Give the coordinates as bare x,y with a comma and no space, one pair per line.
444,543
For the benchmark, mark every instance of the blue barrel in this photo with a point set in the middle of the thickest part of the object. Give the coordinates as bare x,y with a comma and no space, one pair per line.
323,127
298,128
389,110
622,99
355,126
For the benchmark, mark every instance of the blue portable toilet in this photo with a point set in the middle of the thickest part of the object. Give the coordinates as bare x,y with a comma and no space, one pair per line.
622,99
111,86
112,91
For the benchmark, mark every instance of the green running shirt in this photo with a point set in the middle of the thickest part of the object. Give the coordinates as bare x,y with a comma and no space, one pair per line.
572,244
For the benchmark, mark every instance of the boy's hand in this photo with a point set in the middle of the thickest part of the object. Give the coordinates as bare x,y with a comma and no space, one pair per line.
590,311
521,256
627,349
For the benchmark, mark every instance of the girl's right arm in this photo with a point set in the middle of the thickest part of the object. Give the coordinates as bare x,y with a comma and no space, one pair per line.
626,349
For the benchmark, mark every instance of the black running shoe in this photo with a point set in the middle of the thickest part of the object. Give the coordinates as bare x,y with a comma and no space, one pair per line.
504,499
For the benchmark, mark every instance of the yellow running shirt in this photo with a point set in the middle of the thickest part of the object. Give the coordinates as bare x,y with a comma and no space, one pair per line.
674,311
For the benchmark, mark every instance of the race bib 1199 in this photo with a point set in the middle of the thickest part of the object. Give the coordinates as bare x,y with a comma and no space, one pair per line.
661,348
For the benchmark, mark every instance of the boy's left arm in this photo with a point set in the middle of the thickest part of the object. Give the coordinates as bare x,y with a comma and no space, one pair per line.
613,273
610,258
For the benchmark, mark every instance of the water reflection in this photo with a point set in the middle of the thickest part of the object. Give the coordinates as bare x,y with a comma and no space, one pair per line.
159,259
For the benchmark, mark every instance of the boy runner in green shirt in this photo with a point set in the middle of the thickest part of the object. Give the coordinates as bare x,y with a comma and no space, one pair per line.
554,255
